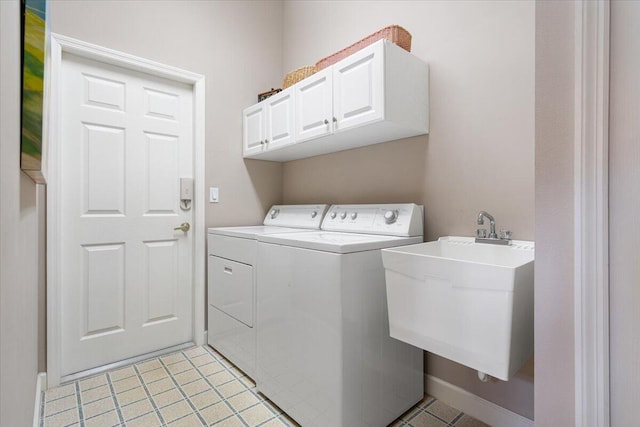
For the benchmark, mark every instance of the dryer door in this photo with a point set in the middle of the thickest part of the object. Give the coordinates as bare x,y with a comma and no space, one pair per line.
231,288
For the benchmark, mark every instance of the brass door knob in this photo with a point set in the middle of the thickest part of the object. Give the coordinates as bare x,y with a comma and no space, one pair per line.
184,227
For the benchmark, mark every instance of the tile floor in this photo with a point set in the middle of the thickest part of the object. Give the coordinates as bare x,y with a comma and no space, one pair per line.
193,387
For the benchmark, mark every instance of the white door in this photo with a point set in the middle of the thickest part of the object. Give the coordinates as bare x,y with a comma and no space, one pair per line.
280,118
314,106
127,275
358,88
253,129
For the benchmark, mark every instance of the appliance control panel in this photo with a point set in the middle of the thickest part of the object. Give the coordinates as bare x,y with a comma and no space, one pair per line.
397,219
298,216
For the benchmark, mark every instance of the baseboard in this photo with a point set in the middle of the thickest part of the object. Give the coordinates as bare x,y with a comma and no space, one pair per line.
41,385
477,407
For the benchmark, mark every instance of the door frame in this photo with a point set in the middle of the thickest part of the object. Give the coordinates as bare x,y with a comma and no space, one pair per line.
591,207
58,45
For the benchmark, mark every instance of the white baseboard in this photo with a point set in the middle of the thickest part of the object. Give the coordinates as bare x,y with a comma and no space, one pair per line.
41,385
477,407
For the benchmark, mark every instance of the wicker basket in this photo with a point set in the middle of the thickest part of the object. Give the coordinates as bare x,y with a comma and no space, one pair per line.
296,75
394,33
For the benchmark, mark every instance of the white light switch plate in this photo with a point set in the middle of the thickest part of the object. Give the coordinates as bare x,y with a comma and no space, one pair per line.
214,195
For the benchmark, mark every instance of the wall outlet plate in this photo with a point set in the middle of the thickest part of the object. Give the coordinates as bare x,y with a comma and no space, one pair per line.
214,195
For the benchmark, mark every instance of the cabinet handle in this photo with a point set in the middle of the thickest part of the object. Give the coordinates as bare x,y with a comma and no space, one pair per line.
335,120
261,142
326,122
266,141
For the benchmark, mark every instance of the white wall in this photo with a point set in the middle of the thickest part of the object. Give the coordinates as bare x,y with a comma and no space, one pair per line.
479,154
19,247
554,370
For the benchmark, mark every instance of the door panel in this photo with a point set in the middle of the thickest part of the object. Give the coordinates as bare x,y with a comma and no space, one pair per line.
161,188
280,113
103,170
161,281
314,106
127,281
103,289
358,92
254,129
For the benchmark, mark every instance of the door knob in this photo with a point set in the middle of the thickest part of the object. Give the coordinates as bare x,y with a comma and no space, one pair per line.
184,227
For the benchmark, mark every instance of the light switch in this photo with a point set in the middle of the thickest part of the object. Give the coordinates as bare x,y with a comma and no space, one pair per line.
214,195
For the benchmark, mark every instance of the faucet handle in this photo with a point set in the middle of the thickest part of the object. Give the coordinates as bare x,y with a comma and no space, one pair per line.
481,233
505,234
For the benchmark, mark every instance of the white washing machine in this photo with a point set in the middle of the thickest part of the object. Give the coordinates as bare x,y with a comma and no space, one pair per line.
324,351
232,257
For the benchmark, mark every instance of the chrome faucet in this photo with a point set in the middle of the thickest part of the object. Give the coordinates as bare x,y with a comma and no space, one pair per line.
481,233
492,223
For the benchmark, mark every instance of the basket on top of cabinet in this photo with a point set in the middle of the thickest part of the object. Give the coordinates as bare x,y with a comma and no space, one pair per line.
394,33
378,94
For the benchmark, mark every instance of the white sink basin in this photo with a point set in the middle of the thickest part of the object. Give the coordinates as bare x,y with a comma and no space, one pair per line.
469,302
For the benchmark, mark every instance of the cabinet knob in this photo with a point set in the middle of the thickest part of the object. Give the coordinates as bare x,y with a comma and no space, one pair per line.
261,142
326,122
335,120
266,141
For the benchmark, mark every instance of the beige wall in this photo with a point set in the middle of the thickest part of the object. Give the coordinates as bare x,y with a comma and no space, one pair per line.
19,212
236,45
480,150
479,154
554,370
624,204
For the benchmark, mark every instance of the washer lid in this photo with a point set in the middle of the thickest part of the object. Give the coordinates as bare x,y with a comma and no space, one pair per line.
337,242
251,232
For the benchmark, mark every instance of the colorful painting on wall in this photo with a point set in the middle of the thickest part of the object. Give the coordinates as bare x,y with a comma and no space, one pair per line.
34,39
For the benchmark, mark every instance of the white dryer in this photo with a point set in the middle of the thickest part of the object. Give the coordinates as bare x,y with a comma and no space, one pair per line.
324,351
232,257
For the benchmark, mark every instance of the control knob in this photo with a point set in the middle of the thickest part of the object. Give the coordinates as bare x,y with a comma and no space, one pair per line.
354,215
390,217
333,215
343,215
314,214
274,213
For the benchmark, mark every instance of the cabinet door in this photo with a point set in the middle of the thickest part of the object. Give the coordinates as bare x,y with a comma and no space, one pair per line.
253,129
280,117
358,88
314,105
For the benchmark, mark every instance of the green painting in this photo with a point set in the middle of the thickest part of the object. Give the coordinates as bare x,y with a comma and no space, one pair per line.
34,33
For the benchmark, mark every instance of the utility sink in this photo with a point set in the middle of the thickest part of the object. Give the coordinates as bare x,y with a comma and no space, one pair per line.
466,301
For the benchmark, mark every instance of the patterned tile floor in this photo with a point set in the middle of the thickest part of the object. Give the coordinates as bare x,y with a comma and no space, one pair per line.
193,387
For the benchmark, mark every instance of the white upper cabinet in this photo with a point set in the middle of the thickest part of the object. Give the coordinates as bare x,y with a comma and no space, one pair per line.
269,124
254,129
378,94
358,88
280,119
314,105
